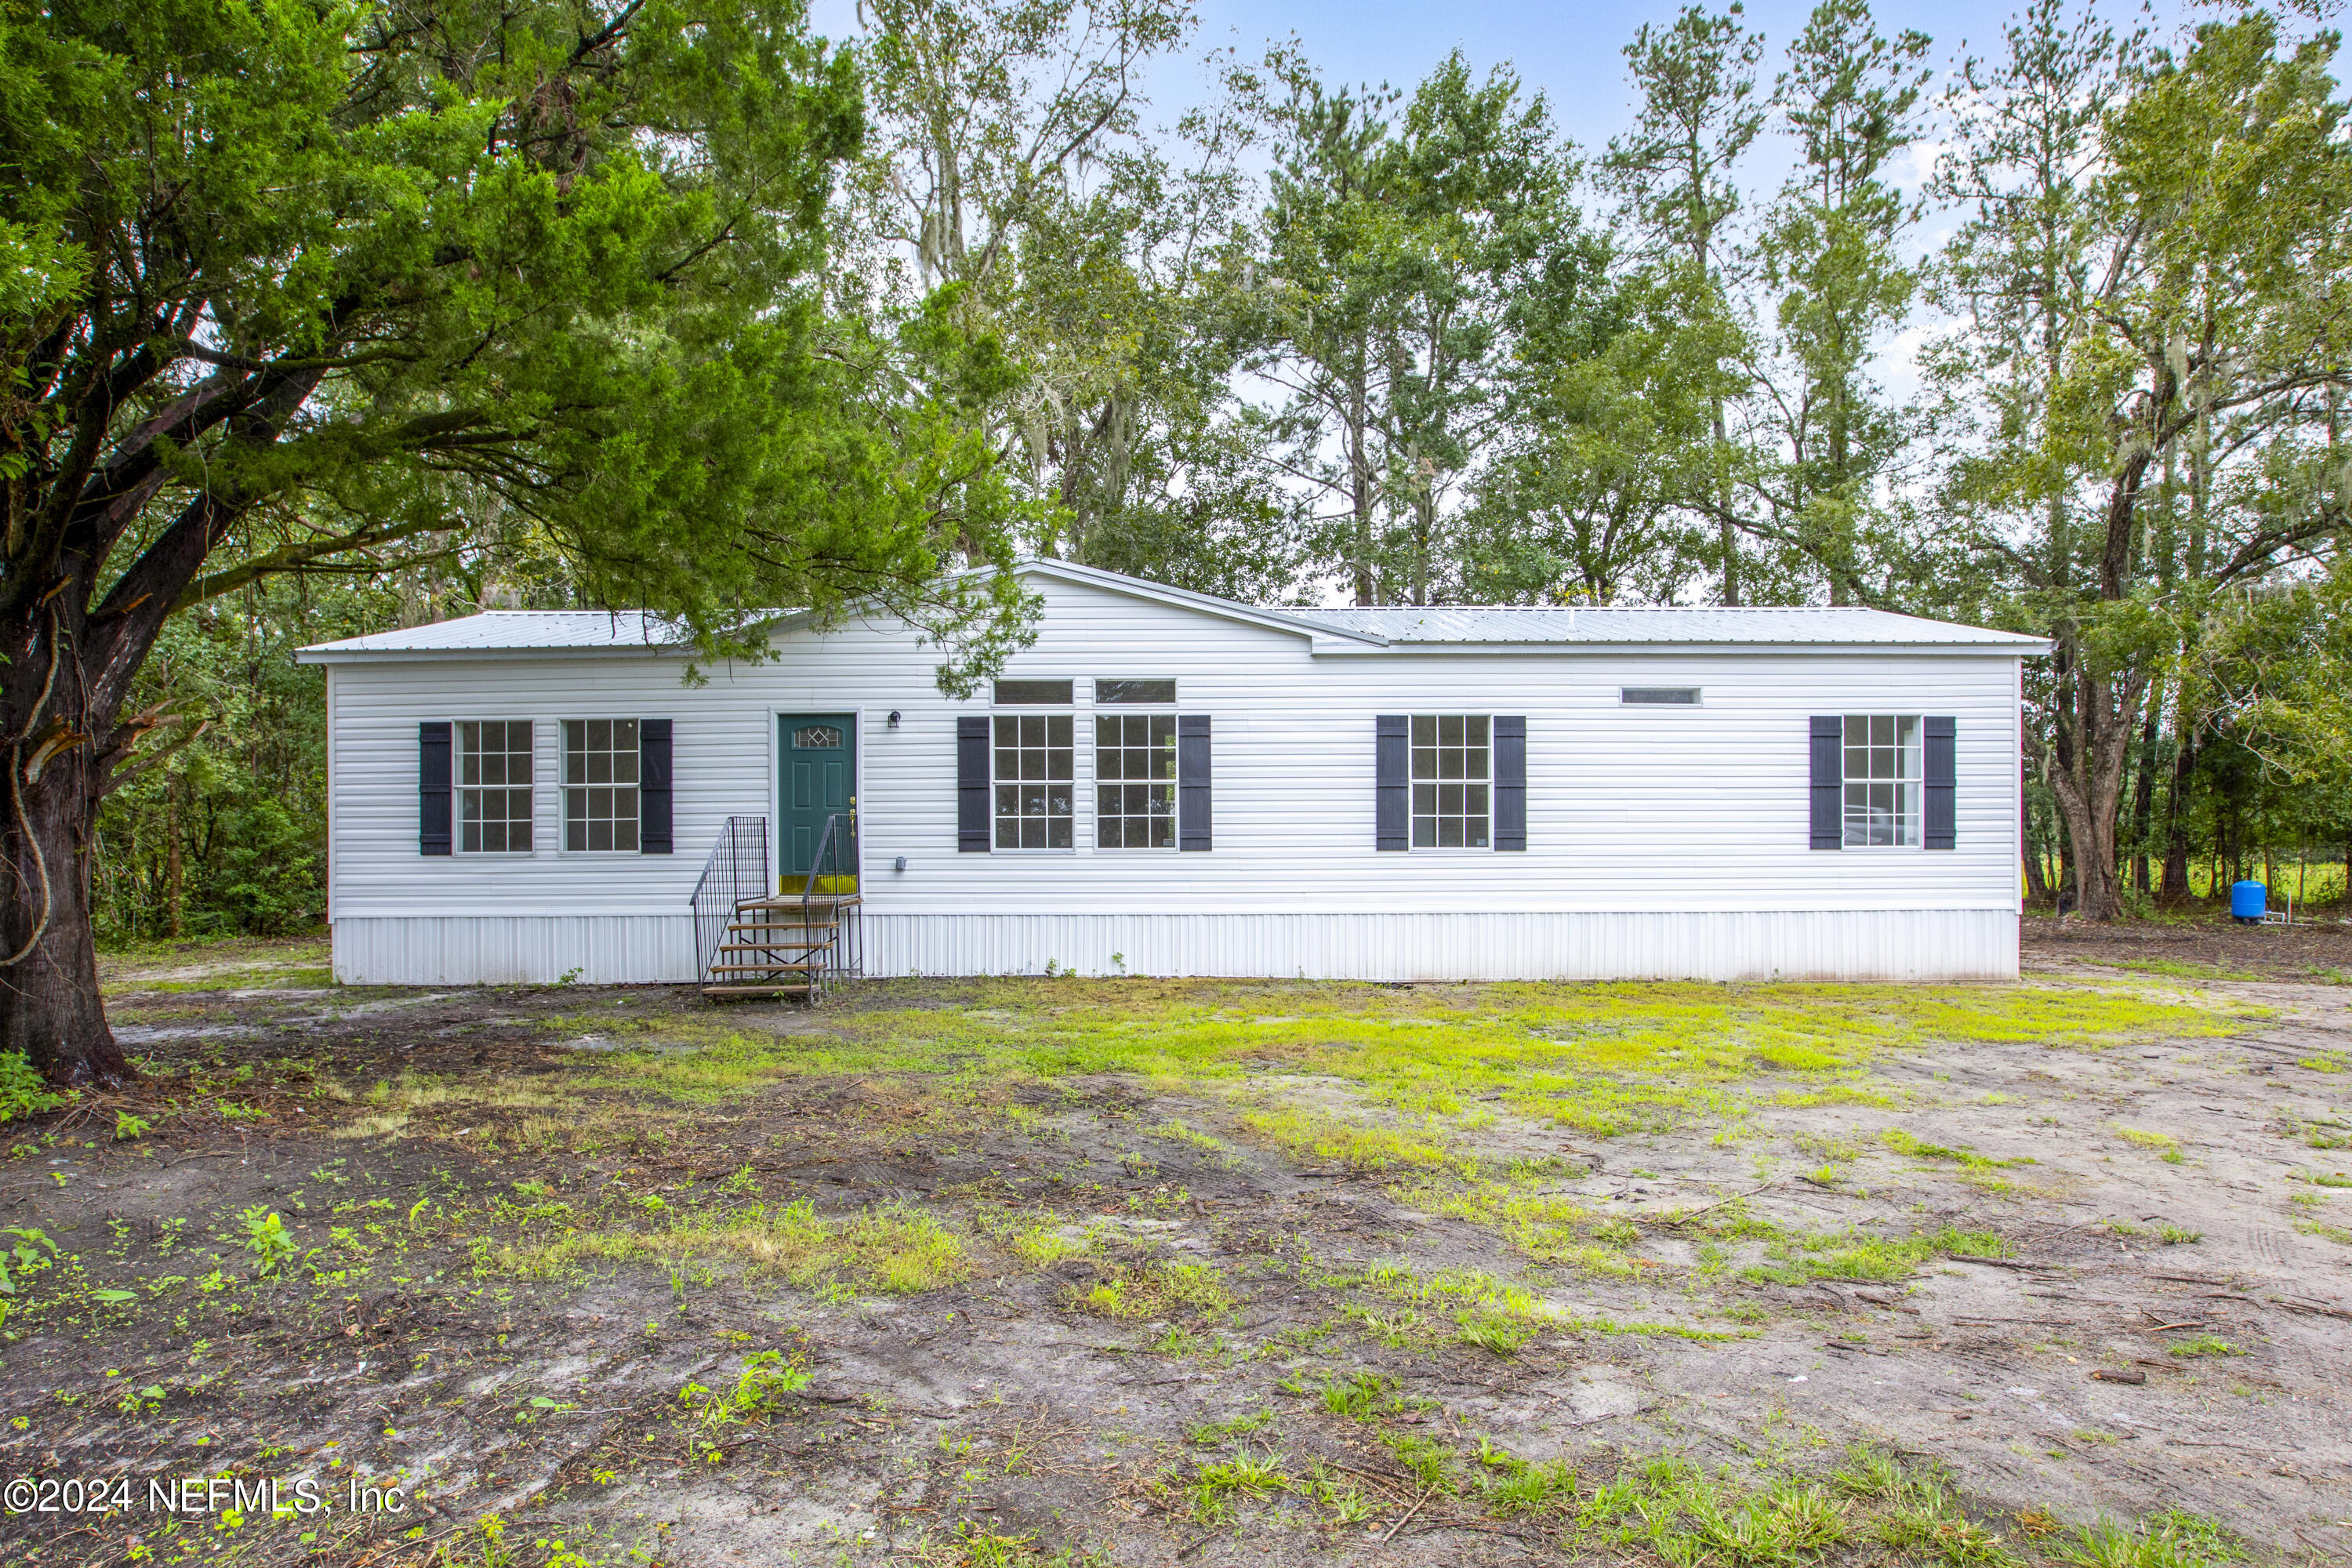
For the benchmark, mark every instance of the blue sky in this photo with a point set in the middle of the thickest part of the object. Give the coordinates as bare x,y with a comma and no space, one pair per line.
1574,52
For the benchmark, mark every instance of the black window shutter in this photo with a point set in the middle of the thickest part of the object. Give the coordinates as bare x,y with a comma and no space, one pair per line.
1393,776
1192,781
653,786
972,783
433,787
1942,766
1829,781
1510,782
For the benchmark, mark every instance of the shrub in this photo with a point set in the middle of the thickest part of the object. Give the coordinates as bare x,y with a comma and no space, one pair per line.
23,1091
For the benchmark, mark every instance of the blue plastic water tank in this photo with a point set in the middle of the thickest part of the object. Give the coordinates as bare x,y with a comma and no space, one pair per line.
2248,900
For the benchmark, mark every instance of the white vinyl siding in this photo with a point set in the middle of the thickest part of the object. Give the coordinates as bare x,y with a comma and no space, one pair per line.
1724,784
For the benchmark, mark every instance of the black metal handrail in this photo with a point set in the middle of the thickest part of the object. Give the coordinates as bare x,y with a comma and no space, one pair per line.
832,876
736,871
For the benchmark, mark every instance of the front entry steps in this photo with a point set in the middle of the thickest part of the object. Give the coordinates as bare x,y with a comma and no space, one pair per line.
783,946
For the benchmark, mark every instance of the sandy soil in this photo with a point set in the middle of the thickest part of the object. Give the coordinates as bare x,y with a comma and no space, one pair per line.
998,1419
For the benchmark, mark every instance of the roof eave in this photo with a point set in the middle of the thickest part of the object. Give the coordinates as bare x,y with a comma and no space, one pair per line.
2027,649
328,653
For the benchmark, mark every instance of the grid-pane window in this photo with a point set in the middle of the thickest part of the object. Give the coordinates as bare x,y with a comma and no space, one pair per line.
600,784
494,787
1135,781
1035,792
1451,781
1883,774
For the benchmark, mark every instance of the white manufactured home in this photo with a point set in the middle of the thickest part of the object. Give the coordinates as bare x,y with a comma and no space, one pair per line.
1166,782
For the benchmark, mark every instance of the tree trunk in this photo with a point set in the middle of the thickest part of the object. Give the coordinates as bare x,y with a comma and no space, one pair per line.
2144,799
2176,891
49,1007
1726,537
172,877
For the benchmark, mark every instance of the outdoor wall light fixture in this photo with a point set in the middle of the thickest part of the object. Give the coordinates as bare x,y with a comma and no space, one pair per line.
894,724
902,863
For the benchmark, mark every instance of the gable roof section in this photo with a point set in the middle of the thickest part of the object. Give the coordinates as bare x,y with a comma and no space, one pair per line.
1301,622
1464,628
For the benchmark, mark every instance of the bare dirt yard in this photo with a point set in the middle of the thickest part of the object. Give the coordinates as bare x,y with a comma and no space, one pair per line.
1136,1271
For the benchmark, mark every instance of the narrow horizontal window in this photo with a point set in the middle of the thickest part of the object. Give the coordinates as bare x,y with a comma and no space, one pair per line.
600,784
494,807
1883,774
1162,692
1658,696
1034,693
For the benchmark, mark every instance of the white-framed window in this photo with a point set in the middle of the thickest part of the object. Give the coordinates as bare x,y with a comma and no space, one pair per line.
1884,771
1036,787
1453,781
494,784
1135,781
600,785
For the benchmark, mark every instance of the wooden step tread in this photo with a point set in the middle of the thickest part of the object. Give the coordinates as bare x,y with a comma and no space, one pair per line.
795,901
756,990
796,965
780,944
784,925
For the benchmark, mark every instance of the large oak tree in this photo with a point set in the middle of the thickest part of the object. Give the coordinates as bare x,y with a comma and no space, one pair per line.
314,284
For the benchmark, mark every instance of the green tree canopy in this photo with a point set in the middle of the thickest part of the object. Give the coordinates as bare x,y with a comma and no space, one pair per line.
330,288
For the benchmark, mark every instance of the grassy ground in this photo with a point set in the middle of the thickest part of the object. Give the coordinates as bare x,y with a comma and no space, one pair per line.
1141,1272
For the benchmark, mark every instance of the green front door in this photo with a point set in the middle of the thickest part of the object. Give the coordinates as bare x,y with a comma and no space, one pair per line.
820,779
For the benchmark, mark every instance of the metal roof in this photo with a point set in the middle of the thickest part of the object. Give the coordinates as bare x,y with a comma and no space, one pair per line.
1613,624
499,631
1332,630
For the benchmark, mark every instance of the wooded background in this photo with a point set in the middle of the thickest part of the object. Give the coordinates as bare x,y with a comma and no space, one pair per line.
1318,342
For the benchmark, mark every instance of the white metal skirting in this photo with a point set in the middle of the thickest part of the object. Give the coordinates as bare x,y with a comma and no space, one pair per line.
1895,944
514,950
1845,945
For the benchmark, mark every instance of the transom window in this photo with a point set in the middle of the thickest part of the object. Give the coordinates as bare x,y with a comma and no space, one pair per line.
1135,781
1036,795
600,784
1162,692
1452,781
1035,693
494,787
1883,774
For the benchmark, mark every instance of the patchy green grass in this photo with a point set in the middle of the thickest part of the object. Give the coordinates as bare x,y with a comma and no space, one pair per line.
1905,1143
1599,1059
1137,1292
1798,1260
886,1248
2203,1345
